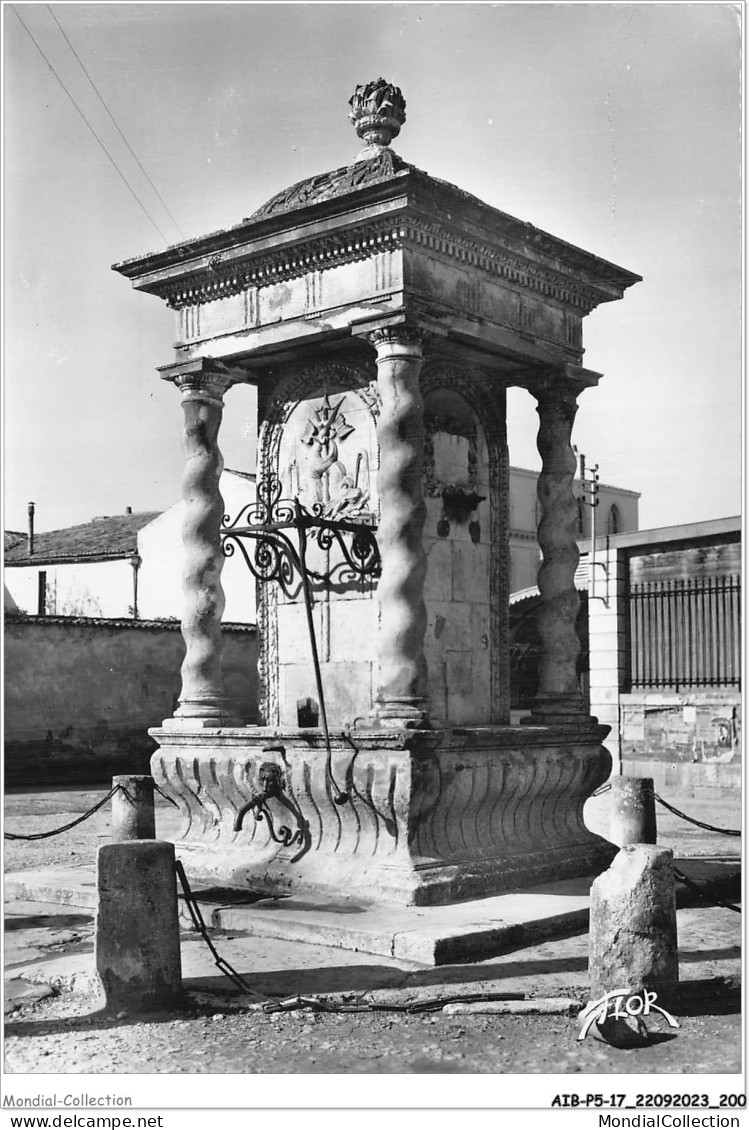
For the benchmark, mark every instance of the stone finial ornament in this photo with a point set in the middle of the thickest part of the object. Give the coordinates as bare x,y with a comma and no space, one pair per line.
378,110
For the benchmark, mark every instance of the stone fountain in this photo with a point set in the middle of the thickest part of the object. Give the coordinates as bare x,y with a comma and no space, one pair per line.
382,315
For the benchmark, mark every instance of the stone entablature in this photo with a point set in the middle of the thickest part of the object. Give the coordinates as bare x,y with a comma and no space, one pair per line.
229,273
425,241
408,207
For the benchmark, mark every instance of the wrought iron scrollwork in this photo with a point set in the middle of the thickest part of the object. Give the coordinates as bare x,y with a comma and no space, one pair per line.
276,558
268,508
361,555
273,558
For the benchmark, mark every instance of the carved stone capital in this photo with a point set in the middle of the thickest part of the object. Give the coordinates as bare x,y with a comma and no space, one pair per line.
558,394
207,389
399,341
204,380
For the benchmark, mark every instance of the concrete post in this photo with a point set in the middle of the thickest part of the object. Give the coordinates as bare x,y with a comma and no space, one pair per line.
633,942
133,815
137,930
632,811
402,691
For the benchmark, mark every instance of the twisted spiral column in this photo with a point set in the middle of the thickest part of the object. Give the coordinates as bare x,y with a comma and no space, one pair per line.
402,688
203,697
559,698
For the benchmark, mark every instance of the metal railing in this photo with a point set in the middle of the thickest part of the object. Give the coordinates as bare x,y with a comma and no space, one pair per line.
685,633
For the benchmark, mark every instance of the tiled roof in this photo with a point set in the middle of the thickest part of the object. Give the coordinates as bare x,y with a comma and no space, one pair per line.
11,538
110,537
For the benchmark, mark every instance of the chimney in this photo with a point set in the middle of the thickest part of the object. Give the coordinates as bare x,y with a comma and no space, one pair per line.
128,509
31,528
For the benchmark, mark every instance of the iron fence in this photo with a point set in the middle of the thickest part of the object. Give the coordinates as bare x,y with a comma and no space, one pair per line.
685,633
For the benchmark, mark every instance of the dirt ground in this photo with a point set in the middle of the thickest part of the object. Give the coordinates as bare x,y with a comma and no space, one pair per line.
67,1035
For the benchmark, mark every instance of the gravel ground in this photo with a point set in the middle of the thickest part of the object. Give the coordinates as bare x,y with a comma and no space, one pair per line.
30,812
68,1035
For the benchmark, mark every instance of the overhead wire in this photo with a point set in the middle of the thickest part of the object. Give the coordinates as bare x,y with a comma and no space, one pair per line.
111,117
101,144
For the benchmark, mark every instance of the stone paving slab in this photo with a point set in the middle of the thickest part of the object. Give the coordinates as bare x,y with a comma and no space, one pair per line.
72,886
439,935
442,935
50,945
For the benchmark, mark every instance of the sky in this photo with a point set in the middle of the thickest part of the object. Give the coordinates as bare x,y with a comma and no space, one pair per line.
613,126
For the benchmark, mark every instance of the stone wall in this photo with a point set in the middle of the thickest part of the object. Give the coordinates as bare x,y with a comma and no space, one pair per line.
698,727
81,694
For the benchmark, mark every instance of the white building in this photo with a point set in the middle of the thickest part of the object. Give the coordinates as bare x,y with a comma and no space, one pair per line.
121,566
616,512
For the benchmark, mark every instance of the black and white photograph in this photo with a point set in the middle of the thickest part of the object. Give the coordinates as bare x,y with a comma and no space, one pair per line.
372,507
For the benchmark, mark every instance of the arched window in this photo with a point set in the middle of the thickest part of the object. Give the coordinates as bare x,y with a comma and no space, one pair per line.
614,523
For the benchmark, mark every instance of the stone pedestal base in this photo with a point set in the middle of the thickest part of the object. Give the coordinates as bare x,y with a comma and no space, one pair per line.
431,817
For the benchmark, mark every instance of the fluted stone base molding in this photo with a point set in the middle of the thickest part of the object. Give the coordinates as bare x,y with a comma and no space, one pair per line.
203,699
432,817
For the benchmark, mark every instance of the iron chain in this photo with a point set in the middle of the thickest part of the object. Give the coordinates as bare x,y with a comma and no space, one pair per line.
66,827
199,923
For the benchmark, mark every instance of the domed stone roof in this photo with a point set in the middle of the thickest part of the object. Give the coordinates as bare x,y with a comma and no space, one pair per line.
384,166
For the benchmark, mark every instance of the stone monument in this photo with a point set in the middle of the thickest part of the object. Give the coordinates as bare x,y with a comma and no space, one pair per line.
382,314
